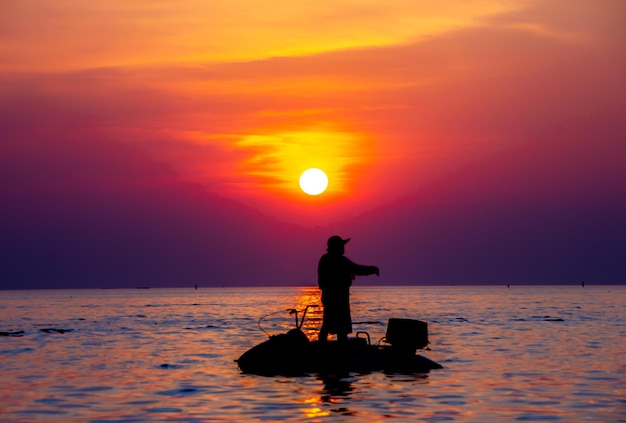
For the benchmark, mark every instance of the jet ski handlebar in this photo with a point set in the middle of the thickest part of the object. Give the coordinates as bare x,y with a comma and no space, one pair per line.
290,311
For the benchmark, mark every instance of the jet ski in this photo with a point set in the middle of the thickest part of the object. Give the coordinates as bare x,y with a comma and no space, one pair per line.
293,354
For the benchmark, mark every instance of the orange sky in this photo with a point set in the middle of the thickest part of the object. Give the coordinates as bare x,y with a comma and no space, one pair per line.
443,109
73,35
242,97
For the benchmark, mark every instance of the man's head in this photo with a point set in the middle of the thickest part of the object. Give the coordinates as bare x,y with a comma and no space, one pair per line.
336,244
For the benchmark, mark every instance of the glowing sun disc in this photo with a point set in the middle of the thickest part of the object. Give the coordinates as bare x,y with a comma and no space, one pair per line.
313,181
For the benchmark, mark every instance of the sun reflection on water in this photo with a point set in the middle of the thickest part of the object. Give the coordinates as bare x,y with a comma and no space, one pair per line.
308,296
315,412
314,409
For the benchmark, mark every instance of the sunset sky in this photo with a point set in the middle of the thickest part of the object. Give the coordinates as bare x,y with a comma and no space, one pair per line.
149,143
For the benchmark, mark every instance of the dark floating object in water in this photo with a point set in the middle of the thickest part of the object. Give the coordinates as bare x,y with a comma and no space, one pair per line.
54,330
170,366
12,333
292,354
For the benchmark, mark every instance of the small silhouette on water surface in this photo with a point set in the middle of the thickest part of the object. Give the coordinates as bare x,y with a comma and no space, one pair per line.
335,274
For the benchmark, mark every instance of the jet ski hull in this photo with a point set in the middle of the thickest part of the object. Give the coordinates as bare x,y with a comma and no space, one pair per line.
293,354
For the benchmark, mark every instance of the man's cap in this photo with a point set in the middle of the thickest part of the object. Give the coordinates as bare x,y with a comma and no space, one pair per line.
336,241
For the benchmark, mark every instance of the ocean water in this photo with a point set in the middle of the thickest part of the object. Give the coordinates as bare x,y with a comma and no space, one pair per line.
525,353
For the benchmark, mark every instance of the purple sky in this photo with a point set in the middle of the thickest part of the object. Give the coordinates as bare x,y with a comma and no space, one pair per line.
483,144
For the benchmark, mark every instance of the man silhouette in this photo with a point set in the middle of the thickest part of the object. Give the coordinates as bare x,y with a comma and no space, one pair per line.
335,273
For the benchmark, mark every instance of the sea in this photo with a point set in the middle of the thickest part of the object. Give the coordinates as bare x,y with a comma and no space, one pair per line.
509,354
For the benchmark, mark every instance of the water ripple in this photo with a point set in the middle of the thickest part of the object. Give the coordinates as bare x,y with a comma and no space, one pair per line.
161,355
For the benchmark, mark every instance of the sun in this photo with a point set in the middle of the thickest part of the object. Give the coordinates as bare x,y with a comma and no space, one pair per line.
313,181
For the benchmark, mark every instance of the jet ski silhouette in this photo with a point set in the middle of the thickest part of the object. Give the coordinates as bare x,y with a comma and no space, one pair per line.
293,354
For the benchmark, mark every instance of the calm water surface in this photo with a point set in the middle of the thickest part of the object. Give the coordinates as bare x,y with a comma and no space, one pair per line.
554,354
